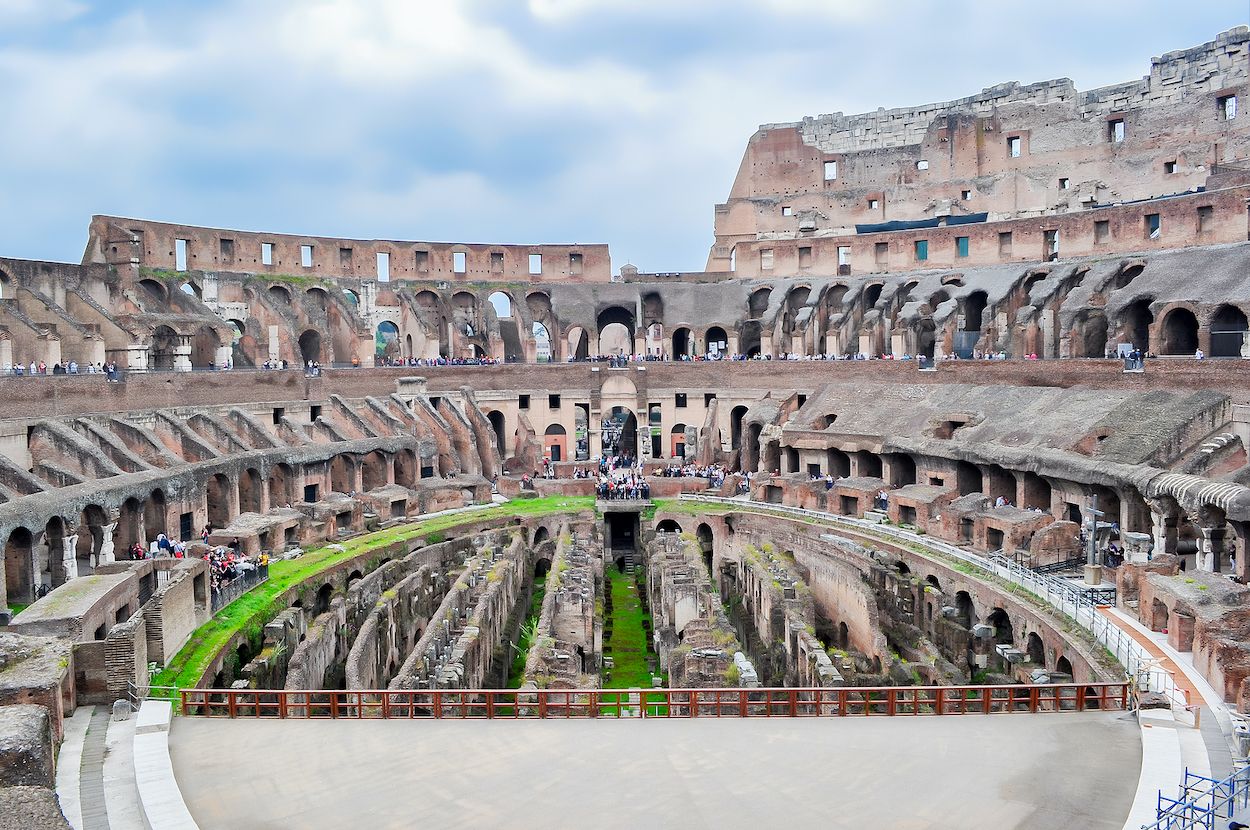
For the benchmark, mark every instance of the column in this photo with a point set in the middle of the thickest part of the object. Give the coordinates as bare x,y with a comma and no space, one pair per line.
1163,522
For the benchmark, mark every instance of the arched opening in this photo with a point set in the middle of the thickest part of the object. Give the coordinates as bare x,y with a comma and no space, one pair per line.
749,338
717,341
310,346
373,471
999,620
406,468
502,304
324,594
19,571
130,525
555,443
703,533
869,464
1035,649
968,478
936,299
281,485
965,612
620,433
353,299
1063,666
926,339
1135,323
541,535
1035,493
152,290
279,295
1091,334
616,330
154,512
578,342
496,419
757,304
667,526
342,474
974,310
844,636
1228,331
751,451
161,350
872,293
217,497
251,496
677,441
681,343
837,463
90,537
542,343
318,297
242,345
386,340
54,538
204,346
932,582
901,469
190,289
1127,275
1180,332
735,426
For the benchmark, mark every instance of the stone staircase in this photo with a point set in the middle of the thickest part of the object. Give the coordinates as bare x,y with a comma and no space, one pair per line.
95,778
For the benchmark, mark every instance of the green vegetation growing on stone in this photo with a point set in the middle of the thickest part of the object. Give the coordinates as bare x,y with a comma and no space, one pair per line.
263,603
627,645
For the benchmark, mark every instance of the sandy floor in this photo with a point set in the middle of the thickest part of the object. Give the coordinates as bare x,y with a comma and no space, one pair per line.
1008,771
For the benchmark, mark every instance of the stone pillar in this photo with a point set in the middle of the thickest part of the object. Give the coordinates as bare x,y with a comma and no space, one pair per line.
1211,546
69,556
1163,523
137,355
1238,550
182,354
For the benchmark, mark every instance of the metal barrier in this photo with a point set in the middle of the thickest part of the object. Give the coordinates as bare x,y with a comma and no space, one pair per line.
239,586
1202,801
514,704
1060,594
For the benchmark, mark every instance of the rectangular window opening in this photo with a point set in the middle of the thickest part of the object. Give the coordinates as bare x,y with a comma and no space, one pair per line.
1153,225
227,249
266,253
1206,217
1050,244
536,264
786,210
180,254
496,262
459,262
1064,184
874,204
384,266
1115,130
305,256
1014,146
831,170
805,257
345,258
278,413
523,402
881,251
965,195
314,412
923,164
575,264
708,398
961,246
679,400
422,260
1169,167
1228,107
1004,243
922,250
553,401
1102,230
766,259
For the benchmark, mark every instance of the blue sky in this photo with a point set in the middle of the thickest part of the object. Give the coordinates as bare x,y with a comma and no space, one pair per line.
618,121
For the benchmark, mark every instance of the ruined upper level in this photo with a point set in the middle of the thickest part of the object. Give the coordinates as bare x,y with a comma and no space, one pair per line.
1010,152
161,245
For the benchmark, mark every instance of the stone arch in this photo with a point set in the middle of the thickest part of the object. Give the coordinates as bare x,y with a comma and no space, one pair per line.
19,565
1228,331
282,484
757,303
1035,492
541,535
1090,334
386,340
544,346
578,343
1000,621
615,316
668,526
91,523
503,303
1063,665
736,416
310,346
155,510
204,346
717,340
251,491
837,463
342,474
406,472
749,338
1035,649
1159,615
161,349
968,478
1135,322
373,472
965,610
154,290
242,345
496,419
1179,332
130,524
279,294
900,469
1127,273
217,496
872,295
318,297
974,310
682,342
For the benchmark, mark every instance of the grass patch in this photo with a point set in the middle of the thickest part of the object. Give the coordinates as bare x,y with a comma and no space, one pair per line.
521,651
627,645
257,607
17,607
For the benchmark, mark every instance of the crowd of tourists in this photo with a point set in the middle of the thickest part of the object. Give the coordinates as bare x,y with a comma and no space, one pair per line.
714,473
70,367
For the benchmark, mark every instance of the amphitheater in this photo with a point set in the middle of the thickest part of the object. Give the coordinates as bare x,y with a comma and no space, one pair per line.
924,505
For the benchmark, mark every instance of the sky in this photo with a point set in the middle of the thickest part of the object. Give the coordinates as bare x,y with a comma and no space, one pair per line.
504,121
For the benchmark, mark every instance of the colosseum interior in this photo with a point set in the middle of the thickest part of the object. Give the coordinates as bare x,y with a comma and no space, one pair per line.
955,420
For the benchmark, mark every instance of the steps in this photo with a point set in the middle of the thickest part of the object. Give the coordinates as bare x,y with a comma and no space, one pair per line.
95,778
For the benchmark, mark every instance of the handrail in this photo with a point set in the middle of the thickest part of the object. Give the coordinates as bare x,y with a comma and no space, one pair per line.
1059,594
1201,801
736,702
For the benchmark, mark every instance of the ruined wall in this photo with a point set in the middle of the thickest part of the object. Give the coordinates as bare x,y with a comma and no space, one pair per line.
568,638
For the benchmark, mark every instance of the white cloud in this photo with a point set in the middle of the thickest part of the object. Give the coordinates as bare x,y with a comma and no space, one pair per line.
15,13
845,10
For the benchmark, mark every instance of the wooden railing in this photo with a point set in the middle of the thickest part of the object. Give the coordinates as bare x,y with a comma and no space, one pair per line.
513,704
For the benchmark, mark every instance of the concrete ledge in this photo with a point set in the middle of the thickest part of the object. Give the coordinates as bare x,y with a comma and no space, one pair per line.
159,795
1162,764
69,765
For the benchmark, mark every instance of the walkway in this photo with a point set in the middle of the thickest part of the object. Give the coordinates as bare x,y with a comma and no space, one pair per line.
991,772
95,777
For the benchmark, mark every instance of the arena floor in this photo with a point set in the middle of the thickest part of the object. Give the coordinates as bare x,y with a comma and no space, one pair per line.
1006,771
